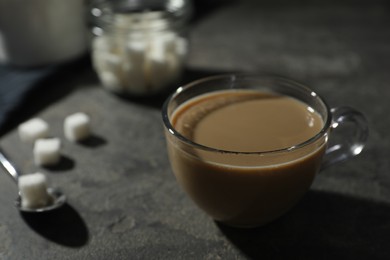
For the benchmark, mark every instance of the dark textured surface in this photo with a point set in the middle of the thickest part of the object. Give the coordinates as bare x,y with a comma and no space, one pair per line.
124,202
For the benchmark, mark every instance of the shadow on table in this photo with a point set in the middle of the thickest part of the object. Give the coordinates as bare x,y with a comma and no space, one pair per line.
322,226
93,141
63,226
65,164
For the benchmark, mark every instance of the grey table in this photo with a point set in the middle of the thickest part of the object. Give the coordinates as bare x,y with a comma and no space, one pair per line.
123,200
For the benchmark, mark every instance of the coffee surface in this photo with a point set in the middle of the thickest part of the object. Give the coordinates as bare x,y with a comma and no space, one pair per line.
246,121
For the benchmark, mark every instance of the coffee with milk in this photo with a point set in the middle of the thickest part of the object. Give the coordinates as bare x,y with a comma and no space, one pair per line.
228,176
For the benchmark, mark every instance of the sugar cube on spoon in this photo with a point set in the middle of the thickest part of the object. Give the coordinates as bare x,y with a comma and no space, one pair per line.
33,190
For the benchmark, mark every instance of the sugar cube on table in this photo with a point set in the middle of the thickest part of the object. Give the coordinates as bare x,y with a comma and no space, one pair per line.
47,151
33,129
33,190
77,127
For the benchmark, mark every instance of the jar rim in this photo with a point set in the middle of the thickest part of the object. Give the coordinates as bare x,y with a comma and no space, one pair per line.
106,14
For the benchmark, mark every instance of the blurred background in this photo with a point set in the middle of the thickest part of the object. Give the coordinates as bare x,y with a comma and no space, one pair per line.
325,42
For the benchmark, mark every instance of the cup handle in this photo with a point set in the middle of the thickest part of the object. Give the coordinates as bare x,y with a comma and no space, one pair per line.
352,141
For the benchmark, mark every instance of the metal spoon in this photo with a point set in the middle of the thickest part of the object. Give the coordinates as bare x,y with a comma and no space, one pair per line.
57,198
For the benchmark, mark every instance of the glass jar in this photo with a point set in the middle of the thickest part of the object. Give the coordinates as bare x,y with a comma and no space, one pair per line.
139,47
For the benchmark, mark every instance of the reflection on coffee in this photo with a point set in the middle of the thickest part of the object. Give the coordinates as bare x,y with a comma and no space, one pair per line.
239,188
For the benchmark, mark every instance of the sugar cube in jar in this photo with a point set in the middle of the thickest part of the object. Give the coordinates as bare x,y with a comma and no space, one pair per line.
139,49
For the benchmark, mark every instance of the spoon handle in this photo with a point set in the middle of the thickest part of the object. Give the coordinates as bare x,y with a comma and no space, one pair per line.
8,166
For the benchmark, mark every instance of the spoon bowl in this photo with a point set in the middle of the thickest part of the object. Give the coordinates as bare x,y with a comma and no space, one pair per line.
57,198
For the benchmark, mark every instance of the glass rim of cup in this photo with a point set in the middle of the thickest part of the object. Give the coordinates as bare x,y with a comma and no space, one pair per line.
237,76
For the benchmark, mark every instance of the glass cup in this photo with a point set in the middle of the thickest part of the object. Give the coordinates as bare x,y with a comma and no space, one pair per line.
250,189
